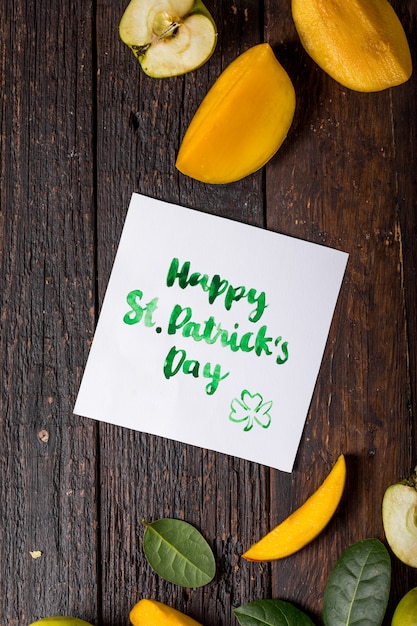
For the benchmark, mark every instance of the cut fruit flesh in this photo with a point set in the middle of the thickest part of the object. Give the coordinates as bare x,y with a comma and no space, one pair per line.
191,46
306,523
399,516
361,44
241,122
170,37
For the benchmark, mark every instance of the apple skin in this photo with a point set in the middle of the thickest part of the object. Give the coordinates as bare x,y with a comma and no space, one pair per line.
399,517
169,37
60,620
405,613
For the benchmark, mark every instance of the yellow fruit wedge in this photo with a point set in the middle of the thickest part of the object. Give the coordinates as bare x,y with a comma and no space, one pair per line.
153,613
360,43
306,523
241,122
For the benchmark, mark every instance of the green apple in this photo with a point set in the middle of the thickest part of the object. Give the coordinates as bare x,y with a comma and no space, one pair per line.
60,620
399,517
405,613
169,37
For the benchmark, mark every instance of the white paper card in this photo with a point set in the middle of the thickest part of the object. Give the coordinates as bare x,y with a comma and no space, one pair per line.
211,333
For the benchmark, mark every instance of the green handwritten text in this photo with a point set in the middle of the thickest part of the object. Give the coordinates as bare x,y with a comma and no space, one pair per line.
177,361
137,311
211,332
215,287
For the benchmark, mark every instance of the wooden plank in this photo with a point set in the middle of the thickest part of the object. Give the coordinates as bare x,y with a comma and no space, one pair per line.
153,477
336,183
404,136
81,128
48,461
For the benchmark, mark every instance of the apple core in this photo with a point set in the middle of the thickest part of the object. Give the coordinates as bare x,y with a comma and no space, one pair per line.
168,37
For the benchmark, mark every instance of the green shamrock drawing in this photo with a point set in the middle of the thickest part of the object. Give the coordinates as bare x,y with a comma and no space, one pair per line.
250,409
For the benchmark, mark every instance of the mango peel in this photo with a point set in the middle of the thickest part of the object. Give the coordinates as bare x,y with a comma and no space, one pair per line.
304,524
242,121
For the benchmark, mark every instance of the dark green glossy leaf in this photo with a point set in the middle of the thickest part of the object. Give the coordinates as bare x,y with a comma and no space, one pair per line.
271,613
179,553
358,587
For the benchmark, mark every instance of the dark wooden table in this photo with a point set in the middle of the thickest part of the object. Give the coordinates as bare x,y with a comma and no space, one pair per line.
81,129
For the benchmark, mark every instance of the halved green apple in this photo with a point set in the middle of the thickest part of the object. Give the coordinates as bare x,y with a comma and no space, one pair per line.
169,37
399,517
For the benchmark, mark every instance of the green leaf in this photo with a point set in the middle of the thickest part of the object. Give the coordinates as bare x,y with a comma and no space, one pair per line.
179,553
358,586
271,613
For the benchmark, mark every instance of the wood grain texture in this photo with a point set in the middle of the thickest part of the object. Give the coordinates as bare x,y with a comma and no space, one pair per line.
82,128
48,457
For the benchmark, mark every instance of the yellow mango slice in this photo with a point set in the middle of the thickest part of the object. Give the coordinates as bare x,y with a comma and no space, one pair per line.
359,43
241,122
153,613
306,523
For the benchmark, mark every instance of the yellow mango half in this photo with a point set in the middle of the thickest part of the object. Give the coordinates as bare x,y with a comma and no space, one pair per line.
359,43
306,523
153,613
241,122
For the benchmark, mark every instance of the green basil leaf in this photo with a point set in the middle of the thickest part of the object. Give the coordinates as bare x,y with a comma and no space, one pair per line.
271,613
358,586
179,553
